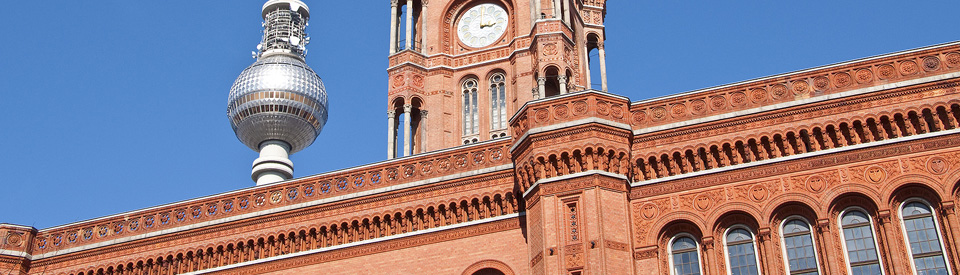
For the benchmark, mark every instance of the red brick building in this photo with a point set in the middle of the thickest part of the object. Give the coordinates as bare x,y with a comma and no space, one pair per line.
849,168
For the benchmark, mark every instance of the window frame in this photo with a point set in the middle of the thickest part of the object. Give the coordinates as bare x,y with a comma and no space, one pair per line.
470,107
843,239
670,251
936,224
753,241
813,238
498,107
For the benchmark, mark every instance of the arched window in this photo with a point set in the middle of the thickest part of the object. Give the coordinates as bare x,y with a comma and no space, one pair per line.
798,247
923,238
470,117
498,102
684,256
857,231
741,255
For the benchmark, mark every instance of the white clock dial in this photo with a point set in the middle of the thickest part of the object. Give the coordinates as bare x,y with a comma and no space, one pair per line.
482,25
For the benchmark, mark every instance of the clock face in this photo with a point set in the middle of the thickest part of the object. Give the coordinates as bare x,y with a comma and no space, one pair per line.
482,25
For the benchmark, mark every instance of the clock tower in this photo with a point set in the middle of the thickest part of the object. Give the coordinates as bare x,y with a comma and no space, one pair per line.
458,69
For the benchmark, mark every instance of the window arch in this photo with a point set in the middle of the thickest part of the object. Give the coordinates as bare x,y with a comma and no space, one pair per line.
857,232
798,247
741,251
498,102
923,237
471,119
684,255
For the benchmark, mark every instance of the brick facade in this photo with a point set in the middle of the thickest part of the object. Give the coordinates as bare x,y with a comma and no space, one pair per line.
586,182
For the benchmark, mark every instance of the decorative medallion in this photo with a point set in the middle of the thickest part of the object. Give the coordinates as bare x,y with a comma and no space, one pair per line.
460,160
398,80
541,115
57,240
579,107
275,196
842,80
616,111
14,239
816,183
800,87
212,209
886,71
758,192
698,106
821,83
181,214
758,95
702,202
937,165
649,211
875,174
678,110
325,187
291,193
496,154
148,221
426,167
374,179
444,164
639,117
603,108
560,111
134,224
418,81
227,206
718,102
953,59
549,49
864,75
259,199
308,188
738,99
478,157
195,212
908,67
778,91
931,63
659,113
408,171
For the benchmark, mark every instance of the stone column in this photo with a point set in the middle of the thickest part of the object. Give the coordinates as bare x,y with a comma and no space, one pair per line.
825,249
542,86
889,244
423,131
536,94
423,28
556,9
393,26
708,257
586,67
537,4
391,134
563,83
949,223
767,265
409,40
603,67
406,129
566,12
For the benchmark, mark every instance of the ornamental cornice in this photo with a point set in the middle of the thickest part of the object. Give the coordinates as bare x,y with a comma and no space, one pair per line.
796,165
294,217
769,92
781,116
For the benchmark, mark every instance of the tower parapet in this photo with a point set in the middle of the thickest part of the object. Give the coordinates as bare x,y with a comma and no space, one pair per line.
278,105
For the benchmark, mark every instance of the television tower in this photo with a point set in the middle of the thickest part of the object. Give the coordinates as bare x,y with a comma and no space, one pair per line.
278,105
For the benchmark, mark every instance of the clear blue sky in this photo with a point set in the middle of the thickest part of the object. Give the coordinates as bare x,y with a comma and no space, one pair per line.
112,106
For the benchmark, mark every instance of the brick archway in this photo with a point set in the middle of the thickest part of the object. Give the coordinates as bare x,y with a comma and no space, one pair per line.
484,264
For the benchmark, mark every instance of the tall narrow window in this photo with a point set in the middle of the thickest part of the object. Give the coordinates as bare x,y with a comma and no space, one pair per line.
684,256
470,117
858,239
798,246
741,255
923,238
498,105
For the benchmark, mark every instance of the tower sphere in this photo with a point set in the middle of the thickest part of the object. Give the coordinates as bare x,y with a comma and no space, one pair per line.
279,97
